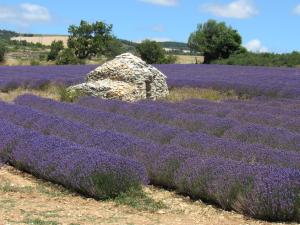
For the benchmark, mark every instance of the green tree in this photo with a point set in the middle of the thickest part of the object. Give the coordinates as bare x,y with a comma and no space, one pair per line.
56,47
153,53
114,48
67,56
2,51
215,40
90,39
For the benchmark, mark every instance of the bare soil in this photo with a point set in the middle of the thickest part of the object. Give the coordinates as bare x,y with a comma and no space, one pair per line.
25,199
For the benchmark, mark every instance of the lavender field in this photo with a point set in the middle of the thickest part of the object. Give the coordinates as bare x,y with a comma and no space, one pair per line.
244,80
241,155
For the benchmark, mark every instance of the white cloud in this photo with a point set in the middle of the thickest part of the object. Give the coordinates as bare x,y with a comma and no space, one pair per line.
240,9
256,46
297,9
24,14
161,2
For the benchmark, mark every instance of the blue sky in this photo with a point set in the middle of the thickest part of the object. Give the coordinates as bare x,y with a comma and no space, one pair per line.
265,25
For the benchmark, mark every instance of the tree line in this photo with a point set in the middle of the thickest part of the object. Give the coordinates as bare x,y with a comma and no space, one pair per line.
88,40
216,41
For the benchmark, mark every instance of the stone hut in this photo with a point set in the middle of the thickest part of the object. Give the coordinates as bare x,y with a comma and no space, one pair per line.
127,78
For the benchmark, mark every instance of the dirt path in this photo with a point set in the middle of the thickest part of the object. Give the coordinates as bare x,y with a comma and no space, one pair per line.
27,200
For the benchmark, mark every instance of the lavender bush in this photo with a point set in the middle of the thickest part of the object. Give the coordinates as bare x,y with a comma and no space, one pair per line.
251,179
231,149
242,111
142,150
273,137
157,113
101,120
249,106
260,191
269,136
89,171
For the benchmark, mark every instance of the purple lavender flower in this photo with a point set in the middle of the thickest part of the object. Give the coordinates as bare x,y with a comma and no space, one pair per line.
90,171
260,191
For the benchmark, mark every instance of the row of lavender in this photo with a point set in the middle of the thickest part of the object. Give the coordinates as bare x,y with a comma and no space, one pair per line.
254,81
283,116
210,119
92,172
245,186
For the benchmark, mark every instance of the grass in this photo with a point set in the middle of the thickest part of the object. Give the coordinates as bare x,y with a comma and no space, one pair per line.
38,221
184,93
8,187
58,191
43,188
49,91
139,200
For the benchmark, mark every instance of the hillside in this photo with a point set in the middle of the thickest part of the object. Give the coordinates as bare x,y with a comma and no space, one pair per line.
174,45
6,34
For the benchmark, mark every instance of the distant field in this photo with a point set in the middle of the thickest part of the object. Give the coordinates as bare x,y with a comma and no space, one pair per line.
45,40
189,59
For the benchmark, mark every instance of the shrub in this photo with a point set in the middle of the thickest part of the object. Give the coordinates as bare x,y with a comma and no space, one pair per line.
67,56
56,47
152,53
34,63
262,59
2,52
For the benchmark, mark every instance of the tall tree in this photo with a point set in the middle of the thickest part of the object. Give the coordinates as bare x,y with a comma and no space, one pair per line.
153,53
90,39
215,40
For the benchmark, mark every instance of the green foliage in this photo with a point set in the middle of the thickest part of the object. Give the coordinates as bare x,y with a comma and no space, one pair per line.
23,43
114,48
110,185
153,53
56,47
90,39
185,93
38,221
67,56
34,63
2,51
67,95
138,199
7,34
262,59
169,59
6,186
215,40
